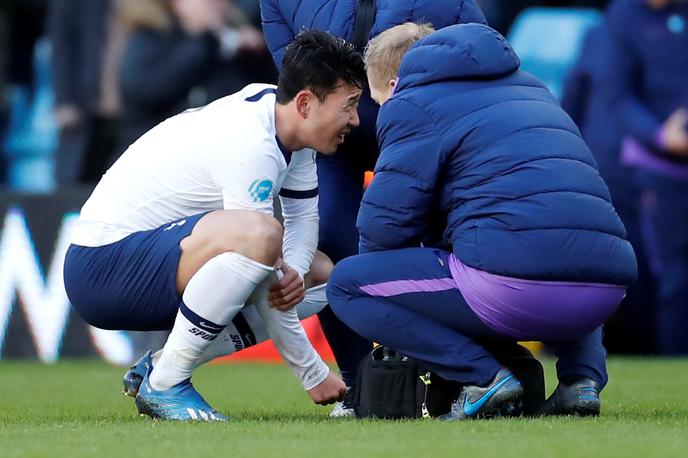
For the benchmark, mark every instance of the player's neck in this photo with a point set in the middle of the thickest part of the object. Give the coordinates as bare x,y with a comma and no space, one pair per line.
286,127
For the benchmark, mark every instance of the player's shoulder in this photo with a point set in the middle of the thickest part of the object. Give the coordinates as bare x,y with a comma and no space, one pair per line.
235,118
254,103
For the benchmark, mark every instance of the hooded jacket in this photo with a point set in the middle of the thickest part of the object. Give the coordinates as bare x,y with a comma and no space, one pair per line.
474,146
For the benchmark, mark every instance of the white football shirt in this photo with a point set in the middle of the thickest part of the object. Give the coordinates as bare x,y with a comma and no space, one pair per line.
225,155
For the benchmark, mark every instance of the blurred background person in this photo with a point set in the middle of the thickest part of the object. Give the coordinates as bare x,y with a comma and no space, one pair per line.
87,45
184,53
22,23
650,71
587,99
4,99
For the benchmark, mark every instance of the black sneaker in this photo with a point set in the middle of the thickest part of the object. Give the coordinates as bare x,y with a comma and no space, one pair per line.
581,398
503,397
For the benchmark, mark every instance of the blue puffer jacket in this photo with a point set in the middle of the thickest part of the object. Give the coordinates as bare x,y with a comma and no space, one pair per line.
470,138
283,19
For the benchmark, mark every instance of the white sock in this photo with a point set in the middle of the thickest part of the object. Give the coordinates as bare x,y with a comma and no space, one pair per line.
247,328
313,302
214,295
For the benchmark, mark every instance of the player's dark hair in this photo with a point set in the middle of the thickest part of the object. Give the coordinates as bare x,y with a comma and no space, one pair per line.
317,61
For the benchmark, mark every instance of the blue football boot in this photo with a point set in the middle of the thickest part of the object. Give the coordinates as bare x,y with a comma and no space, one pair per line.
503,397
581,398
134,376
180,403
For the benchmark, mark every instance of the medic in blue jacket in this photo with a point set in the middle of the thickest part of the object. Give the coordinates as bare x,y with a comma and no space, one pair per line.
529,246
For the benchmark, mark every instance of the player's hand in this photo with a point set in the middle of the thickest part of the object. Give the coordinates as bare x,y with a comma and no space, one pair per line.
286,292
329,391
674,134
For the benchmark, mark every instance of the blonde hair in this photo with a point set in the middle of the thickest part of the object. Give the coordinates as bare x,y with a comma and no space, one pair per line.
384,52
144,14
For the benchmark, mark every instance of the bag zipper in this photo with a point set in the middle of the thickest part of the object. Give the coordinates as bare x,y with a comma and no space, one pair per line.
424,406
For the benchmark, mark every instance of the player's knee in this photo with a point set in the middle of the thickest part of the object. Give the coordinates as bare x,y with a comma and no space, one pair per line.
320,270
265,239
254,235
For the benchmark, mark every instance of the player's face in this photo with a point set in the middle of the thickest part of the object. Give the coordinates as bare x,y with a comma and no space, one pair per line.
333,118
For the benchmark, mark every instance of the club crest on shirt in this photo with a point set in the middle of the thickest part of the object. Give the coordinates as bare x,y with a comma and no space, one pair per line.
260,190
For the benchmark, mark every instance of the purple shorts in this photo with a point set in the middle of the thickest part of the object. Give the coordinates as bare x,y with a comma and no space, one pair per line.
535,310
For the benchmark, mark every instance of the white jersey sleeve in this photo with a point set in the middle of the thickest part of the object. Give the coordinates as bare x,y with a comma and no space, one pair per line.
286,332
299,201
247,179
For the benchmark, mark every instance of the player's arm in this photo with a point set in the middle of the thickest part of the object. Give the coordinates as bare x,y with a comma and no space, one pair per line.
299,201
277,32
396,208
286,332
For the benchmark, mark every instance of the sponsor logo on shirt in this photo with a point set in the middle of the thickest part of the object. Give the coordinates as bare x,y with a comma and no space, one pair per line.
260,190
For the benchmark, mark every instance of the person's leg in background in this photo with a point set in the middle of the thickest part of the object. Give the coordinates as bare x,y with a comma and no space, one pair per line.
101,151
71,152
341,189
665,224
634,316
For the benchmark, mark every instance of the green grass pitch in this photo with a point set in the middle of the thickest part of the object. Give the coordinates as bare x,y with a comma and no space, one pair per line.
75,409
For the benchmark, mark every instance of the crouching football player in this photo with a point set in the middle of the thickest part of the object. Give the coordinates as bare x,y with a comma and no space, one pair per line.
180,232
481,166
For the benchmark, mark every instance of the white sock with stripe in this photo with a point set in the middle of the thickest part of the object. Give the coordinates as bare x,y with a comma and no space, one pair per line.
247,328
214,295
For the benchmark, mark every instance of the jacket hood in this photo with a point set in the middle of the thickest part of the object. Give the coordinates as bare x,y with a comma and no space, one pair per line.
459,52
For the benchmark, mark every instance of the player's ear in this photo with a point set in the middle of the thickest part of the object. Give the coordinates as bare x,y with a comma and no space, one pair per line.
303,101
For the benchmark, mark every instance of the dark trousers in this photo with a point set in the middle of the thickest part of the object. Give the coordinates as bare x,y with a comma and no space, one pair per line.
86,151
340,180
415,308
665,230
